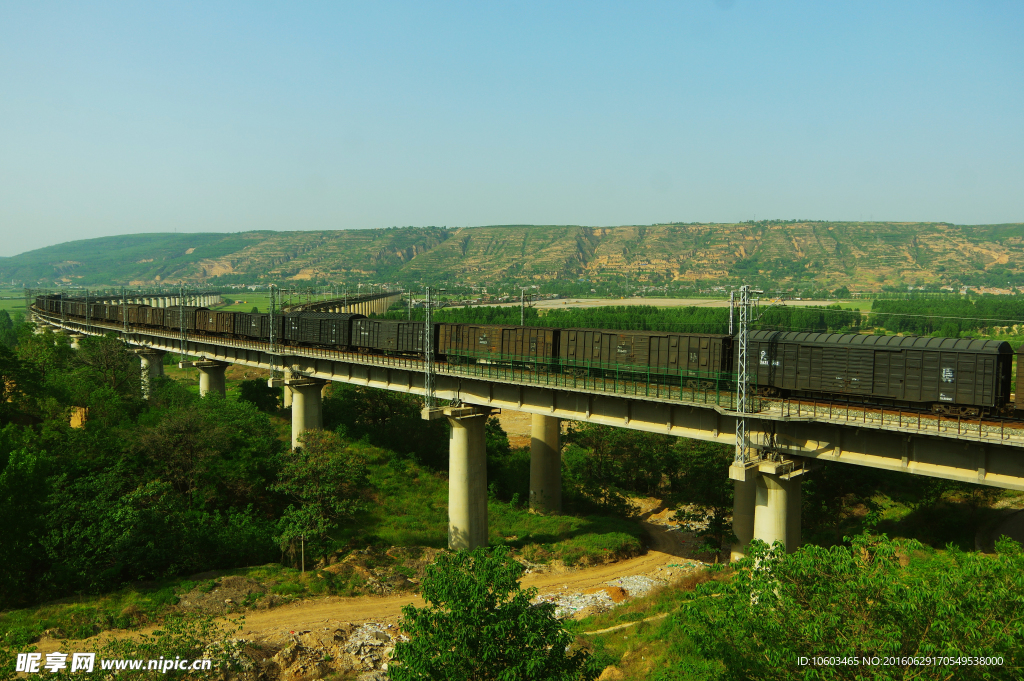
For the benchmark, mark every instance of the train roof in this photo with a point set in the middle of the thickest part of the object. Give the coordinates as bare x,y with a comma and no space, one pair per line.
885,342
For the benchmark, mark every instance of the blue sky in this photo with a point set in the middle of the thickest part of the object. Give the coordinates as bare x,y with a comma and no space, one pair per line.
215,116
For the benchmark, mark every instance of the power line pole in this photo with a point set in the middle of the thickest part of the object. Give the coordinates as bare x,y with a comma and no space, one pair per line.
428,363
742,444
732,305
181,318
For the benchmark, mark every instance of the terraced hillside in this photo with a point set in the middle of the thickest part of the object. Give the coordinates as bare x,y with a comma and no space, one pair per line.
859,255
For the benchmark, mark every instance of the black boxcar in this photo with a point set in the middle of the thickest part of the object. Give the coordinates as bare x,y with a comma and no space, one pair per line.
388,335
320,328
257,326
953,375
496,343
664,352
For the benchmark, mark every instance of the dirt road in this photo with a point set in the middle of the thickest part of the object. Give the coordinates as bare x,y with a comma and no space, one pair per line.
278,623
666,547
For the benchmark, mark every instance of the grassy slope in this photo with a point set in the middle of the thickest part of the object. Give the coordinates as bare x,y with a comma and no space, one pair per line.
860,255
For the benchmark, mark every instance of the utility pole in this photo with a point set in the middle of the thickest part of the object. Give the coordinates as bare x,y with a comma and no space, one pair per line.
428,363
732,306
742,444
181,318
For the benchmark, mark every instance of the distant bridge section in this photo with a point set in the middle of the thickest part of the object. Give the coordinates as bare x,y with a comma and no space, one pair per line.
367,304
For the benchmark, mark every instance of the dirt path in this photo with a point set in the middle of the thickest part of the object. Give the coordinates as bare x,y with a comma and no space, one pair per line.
278,623
666,547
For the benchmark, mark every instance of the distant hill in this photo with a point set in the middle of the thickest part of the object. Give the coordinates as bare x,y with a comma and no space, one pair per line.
859,255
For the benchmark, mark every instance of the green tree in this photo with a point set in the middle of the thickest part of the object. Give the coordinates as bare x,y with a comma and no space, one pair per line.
326,481
259,393
479,624
23,491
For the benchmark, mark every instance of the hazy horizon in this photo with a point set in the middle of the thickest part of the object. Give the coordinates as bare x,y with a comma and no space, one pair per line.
122,118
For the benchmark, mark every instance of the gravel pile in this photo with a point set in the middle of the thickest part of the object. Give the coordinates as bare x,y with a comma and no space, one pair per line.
637,585
568,603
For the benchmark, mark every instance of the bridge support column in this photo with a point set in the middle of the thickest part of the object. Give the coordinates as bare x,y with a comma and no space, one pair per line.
545,464
152,366
307,406
467,478
287,373
744,500
211,377
777,510
75,341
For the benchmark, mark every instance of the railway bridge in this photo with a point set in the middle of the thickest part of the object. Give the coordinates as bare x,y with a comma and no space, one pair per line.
787,437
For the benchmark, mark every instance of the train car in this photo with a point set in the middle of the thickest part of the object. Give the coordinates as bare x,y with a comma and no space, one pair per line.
175,321
156,317
214,322
320,328
948,375
477,343
134,311
388,335
206,321
661,352
257,326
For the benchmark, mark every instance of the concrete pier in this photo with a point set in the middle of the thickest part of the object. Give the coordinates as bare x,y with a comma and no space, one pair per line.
287,374
545,464
75,341
211,377
766,505
153,365
307,406
467,479
744,497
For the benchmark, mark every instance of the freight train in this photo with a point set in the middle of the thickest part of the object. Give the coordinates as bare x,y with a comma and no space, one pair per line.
955,376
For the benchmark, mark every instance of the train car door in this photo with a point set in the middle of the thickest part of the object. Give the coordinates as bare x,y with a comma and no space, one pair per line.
705,354
659,352
985,378
880,383
967,388
790,357
913,387
833,369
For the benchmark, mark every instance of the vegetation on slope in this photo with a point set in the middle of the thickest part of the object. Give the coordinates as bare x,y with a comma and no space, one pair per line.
612,260
872,608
